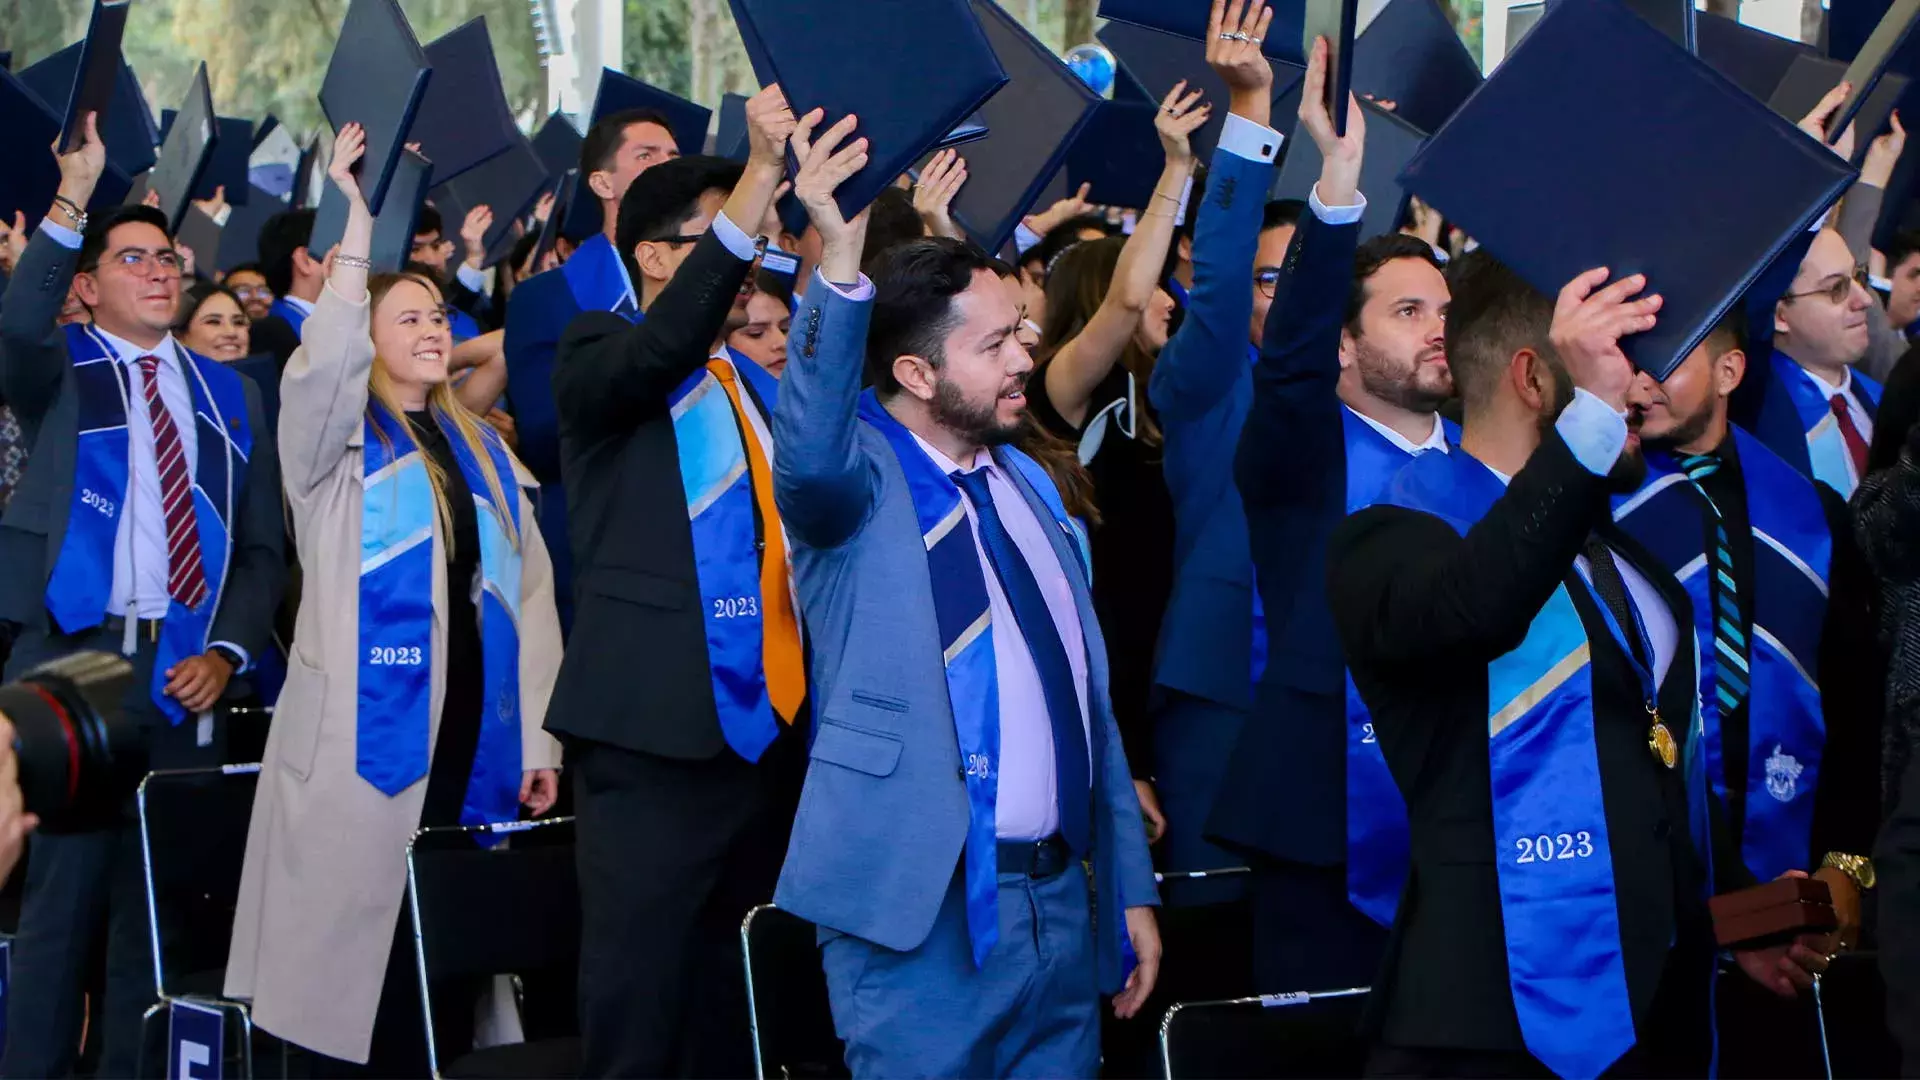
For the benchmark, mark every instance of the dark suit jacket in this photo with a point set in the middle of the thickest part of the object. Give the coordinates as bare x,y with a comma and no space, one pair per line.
1285,791
36,379
1421,611
1897,858
636,672
275,337
477,305
538,312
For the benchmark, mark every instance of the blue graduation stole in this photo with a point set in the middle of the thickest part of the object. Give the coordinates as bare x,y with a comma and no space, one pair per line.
1792,554
722,513
1826,449
964,618
461,325
597,277
394,737
1377,836
293,315
82,580
1551,851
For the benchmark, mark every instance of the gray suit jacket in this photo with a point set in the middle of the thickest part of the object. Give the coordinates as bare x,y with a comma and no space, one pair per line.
883,817
36,381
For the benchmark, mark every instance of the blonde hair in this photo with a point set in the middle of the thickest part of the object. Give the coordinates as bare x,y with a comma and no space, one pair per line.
455,421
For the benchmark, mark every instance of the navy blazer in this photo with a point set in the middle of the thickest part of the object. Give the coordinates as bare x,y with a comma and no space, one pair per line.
538,311
1202,387
1286,793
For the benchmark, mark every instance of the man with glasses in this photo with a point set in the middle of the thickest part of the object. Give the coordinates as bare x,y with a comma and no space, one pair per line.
1817,410
1351,371
146,523
248,283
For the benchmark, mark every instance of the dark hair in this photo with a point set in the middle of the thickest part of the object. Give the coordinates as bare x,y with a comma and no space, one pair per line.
778,286
428,221
100,226
282,235
197,294
914,286
244,268
891,221
1077,284
664,198
1281,213
1905,242
1373,255
1493,314
1730,333
1064,235
609,133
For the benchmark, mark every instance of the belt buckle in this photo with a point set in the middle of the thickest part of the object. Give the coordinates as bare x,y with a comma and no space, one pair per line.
153,631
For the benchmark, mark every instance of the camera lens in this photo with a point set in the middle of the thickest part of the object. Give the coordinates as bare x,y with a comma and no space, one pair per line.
79,755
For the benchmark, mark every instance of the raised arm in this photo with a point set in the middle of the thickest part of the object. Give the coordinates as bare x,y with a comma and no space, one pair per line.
33,357
1203,362
484,359
323,392
1082,362
821,480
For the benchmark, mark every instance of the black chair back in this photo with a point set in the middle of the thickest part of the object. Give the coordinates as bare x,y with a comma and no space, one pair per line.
1275,1035
793,1034
193,834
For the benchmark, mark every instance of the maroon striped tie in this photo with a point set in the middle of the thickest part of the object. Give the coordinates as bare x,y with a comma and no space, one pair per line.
186,577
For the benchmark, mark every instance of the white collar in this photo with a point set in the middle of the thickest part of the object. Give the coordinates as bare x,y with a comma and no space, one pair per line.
1827,389
304,307
1435,440
126,352
982,459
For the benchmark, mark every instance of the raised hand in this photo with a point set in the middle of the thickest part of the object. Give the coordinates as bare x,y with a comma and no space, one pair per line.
349,146
543,209
824,166
933,196
1340,155
770,123
1883,153
215,206
81,169
1180,115
473,232
1815,122
1233,52
1073,206
1588,325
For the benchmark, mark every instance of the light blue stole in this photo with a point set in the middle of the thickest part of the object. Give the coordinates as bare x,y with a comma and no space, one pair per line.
1792,553
725,521
395,735
1377,837
1551,849
1826,447
82,580
964,618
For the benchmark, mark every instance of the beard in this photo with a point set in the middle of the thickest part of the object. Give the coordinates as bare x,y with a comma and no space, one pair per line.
1415,385
1630,470
976,423
1687,430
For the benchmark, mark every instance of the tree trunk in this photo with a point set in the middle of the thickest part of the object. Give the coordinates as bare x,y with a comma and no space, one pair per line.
1079,20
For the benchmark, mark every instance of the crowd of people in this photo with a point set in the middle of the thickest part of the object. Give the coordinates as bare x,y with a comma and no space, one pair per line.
1186,603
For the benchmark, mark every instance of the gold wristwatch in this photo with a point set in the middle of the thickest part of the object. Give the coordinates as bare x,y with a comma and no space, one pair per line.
1857,867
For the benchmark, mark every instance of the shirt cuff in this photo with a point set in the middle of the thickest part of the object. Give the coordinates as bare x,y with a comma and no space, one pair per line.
1593,431
732,237
1244,138
246,661
858,291
1024,238
1336,215
60,234
475,280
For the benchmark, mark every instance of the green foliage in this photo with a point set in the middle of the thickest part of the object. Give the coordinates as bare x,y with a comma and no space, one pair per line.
656,48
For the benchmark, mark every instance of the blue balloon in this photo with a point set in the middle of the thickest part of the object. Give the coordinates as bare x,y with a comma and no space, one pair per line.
1094,65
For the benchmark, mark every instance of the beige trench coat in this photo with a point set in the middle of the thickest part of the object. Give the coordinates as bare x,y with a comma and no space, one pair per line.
326,853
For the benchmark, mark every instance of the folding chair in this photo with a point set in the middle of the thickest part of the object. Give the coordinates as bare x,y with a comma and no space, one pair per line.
1273,1035
193,841
787,1010
512,909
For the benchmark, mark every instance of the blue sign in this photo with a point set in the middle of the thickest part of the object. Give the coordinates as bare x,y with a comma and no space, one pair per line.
193,1041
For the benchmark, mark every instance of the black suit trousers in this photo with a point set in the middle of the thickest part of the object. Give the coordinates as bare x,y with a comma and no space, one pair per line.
672,854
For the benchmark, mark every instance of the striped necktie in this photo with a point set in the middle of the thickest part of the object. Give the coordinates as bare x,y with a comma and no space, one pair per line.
1729,640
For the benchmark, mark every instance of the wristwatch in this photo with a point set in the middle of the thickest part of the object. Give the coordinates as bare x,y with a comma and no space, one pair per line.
1857,867
233,660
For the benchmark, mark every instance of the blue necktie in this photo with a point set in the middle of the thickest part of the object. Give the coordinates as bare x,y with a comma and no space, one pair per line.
1729,640
1049,659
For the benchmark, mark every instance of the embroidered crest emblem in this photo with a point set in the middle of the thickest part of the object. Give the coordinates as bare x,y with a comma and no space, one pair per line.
1783,774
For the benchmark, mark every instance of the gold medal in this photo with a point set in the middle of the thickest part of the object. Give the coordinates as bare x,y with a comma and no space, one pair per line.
1660,740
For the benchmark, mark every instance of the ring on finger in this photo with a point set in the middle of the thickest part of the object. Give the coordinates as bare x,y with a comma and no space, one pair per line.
1256,40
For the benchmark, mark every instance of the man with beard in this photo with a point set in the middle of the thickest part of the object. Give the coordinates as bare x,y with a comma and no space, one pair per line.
966,762
1780,593
1352,367
1531,682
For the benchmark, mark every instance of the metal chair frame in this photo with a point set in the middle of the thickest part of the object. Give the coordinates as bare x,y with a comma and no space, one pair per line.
505,828
1270,1001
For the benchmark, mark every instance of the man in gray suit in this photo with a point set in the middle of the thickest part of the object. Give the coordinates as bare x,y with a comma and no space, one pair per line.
146,523
966,763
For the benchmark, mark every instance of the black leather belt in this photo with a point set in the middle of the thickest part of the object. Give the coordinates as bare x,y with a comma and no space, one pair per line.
144,628
1035,858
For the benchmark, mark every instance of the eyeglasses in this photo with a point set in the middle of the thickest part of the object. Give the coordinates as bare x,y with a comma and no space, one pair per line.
1267,278
1837,292
143,263
252,292
675,240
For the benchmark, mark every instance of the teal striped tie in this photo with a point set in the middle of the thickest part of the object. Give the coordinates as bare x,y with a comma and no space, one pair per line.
1729,640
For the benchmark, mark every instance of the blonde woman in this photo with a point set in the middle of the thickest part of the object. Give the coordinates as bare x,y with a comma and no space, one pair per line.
421,664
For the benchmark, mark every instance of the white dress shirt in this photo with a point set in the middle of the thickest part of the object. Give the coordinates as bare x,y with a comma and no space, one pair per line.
304,307
1028,801
1435,440
1855,409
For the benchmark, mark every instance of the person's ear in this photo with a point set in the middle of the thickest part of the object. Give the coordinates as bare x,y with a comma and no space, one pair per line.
600,182
651,259
1729,370
915,376
1531,380
87,288
1780,317
1186,249
1349,349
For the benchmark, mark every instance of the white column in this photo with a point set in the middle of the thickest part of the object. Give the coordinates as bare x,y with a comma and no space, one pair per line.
598,28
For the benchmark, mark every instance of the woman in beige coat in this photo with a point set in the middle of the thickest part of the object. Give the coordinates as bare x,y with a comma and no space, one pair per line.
422,661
